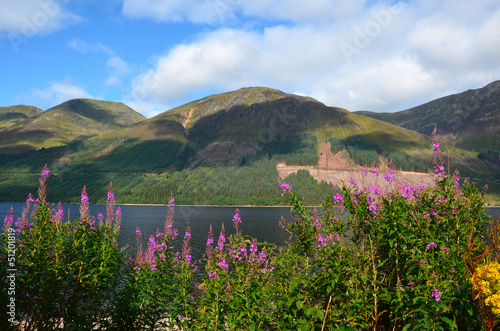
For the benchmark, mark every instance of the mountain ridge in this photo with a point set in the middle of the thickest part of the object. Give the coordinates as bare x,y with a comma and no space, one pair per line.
72,120
201,149
470,119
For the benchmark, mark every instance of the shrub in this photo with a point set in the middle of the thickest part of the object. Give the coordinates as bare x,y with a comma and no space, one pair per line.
409,258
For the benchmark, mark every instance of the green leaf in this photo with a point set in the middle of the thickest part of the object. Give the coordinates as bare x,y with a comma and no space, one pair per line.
449,322
406,327
300,304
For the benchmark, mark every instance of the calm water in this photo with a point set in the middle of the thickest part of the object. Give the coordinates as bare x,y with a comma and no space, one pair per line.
258,222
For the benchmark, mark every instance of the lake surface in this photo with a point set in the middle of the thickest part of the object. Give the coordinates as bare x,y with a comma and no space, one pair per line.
258,222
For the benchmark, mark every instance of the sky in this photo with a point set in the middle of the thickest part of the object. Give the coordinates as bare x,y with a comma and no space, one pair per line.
154,55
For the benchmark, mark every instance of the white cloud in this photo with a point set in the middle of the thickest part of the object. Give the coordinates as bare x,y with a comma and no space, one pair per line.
113,81
54,94
222,58
118,65
118,69
207,11
32,17
147,109
399,56
222,11
82,46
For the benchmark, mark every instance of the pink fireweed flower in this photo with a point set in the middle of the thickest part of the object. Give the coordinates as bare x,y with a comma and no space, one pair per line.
253,247
223,264
210,241
45,172
364,172
353,182
388,178
262,257
285,187
30,199
236,219
111,197
321,241
59,215
212,275
187,235
436,147
375,172
85,198
100,217
222,239
440,171
338,199
436,294
84,206
432,245
317,223
171,201
9,219
373,208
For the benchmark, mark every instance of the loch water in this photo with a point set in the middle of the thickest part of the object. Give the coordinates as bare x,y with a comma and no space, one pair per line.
257,222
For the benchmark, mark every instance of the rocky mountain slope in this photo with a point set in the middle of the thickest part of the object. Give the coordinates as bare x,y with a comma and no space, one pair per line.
469,120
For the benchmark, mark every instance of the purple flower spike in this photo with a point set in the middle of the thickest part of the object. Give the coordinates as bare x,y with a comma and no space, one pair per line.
285,187
436,294
432,245
337,198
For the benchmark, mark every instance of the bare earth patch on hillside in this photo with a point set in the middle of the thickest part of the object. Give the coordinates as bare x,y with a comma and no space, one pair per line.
337,170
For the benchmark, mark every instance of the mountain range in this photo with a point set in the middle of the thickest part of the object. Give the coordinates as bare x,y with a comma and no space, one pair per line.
199,151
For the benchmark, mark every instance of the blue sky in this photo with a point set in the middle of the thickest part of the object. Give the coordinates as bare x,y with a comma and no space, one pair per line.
157,54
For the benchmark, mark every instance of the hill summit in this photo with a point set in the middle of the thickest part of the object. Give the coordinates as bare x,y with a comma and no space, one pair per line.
72,120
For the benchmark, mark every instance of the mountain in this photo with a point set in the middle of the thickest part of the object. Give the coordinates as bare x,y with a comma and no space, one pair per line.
226,128
469,120
221,149
72,120
14,115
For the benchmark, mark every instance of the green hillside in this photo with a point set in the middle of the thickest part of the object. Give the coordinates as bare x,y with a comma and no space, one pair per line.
469,120
222,149
70,121
14,115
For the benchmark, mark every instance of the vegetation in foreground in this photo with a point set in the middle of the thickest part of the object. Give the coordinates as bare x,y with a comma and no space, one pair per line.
410,258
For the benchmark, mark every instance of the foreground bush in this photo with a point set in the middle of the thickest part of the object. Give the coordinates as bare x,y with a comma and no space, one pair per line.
407,258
